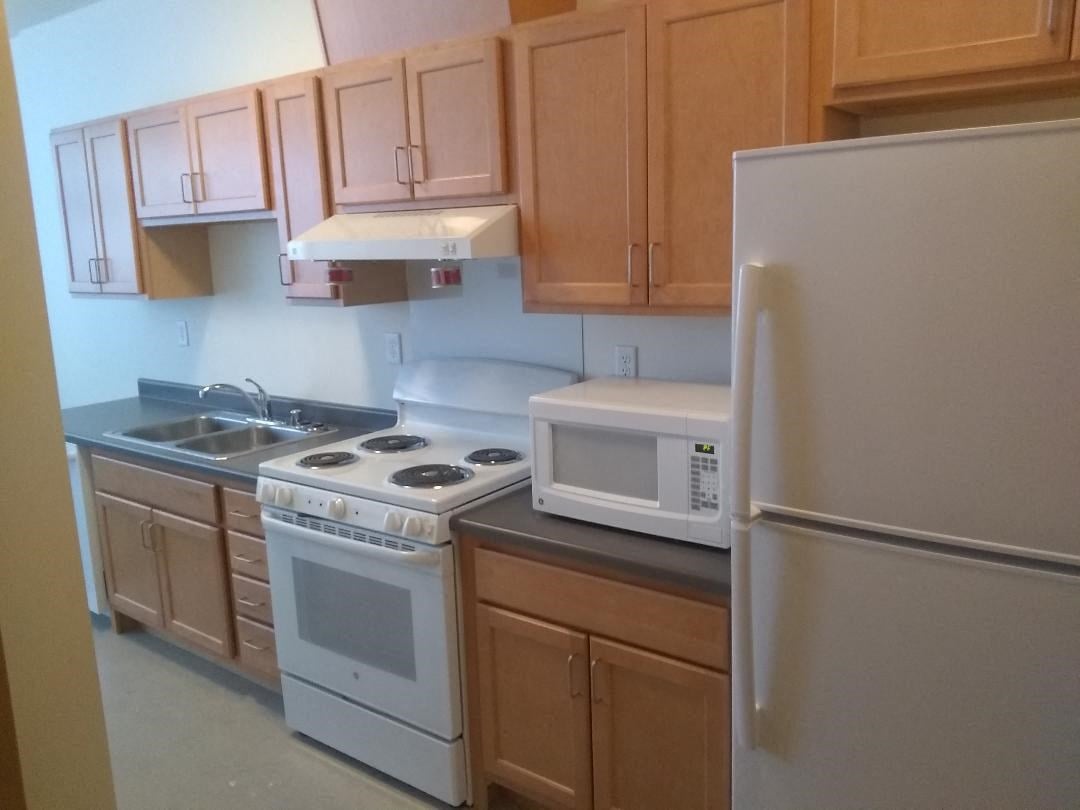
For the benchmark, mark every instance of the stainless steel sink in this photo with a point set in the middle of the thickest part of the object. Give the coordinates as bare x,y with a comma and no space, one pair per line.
218,436
182,429
231,443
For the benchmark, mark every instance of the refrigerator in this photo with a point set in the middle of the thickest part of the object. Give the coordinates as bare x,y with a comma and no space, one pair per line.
906,472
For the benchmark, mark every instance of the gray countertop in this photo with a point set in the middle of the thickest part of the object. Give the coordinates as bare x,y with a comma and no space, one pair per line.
512,520
88,425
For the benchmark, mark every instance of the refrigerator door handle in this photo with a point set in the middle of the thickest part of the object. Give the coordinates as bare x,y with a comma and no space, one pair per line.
743,514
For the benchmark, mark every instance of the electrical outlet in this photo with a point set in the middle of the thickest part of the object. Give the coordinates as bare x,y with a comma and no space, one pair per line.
182,337
392,345
626,361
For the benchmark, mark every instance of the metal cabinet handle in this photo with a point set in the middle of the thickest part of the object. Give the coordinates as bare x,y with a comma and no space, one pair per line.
100,278
90,271
594,682
412,172
183,191
245,559
281,276
146,542
1051,23
235,513
243,600
202,186
652,281
397,166
630,264
255,647
574,692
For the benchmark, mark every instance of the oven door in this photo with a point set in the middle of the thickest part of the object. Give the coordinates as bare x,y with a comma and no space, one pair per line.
370,617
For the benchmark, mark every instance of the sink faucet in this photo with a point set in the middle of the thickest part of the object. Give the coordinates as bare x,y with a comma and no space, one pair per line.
260,402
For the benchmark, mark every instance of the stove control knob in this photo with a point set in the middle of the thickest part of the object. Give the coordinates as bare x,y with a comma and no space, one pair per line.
283,496
414,527
337,509
266,493
392,522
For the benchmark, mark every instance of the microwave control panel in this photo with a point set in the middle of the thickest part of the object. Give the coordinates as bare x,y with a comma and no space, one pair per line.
704,477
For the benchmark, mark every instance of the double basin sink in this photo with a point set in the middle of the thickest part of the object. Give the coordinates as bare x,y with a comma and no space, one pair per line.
218,436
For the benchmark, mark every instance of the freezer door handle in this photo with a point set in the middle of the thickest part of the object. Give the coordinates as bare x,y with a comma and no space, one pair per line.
747,307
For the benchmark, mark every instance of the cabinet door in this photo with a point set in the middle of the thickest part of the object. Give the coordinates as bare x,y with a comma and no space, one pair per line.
660,731
194,582
131,568
718,82
294,126
114,207
76,210
367,132
580,91
456,121
884,41
160,163
534,706
226,138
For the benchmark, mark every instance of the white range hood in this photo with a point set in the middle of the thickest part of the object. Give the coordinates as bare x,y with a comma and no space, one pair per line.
482,232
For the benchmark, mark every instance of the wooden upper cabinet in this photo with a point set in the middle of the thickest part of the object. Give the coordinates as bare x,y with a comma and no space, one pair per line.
73,189
367,132
580,92
660,731
226,141
131,567
880,41
294,126
194,582
534,707
723,75
456,120
118,268
160,163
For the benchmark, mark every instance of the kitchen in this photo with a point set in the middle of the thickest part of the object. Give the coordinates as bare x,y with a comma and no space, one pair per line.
317,352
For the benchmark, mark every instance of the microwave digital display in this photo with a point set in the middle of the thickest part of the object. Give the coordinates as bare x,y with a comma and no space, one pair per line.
707,449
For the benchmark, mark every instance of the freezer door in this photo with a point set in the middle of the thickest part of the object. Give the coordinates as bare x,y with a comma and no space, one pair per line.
919,342
892,677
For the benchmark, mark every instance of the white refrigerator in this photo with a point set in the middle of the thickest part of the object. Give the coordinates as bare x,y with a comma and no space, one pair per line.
906,472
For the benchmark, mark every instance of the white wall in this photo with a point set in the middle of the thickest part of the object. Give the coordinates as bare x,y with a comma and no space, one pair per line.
118,55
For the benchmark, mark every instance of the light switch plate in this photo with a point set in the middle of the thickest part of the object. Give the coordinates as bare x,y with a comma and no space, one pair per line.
392,345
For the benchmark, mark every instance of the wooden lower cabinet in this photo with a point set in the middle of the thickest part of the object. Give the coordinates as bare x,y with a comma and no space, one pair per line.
534,706
566,716
193,582
172,563
661,731
131,566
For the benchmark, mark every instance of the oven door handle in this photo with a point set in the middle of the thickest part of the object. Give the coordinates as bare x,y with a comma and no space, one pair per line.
416,559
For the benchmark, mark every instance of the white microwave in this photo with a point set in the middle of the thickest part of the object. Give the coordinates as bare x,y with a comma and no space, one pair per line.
643,455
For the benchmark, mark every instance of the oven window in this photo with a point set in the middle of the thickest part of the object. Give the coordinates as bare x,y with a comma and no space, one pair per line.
363,619
618,462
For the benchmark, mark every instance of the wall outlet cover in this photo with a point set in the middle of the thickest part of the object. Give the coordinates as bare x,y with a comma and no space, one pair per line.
392,344
182,336
626,361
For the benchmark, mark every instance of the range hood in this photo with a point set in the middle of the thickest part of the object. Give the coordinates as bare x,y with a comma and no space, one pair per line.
482,232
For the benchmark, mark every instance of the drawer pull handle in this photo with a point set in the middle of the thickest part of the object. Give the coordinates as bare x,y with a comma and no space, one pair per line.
243,515
245,559
256,647
243,600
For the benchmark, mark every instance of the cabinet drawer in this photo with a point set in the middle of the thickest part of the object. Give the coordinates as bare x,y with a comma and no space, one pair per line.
252,599
172,493
255,643
693,631
241,511
247,556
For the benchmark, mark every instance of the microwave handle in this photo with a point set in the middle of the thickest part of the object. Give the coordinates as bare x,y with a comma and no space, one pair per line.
743,513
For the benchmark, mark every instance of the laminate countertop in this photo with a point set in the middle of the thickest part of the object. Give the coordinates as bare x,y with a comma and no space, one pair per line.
89,425
512,520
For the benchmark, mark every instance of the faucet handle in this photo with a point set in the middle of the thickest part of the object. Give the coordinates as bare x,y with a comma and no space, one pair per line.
294,417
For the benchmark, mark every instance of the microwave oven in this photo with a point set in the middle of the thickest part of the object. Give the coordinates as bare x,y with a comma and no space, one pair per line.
643,455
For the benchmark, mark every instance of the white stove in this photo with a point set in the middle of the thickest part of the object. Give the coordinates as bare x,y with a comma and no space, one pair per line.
362,569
